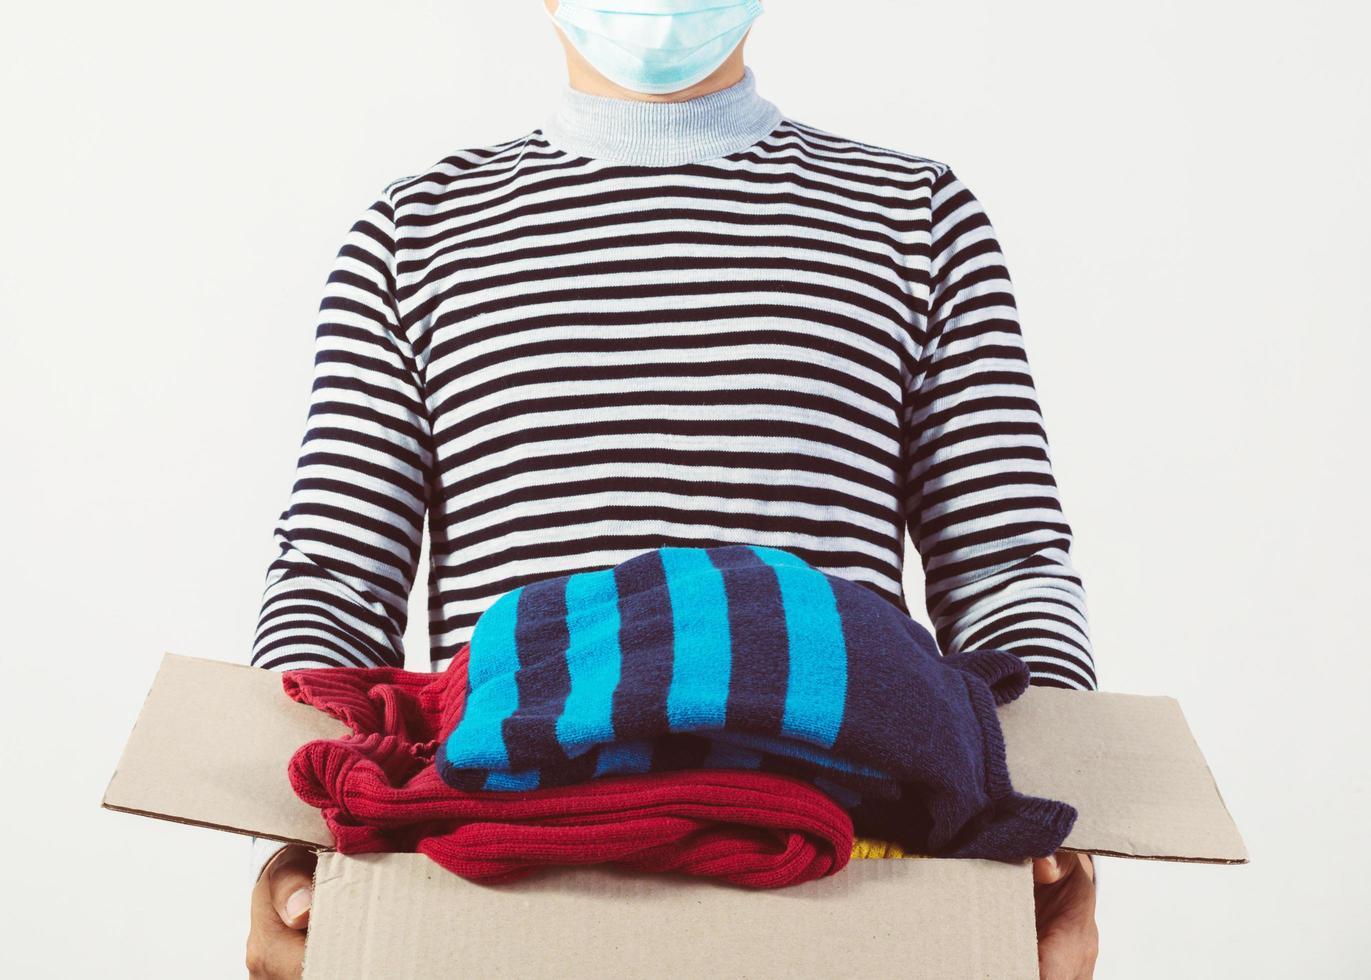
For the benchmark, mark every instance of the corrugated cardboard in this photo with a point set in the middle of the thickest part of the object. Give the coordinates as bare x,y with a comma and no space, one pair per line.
211,744
1130,766
876,918
210,747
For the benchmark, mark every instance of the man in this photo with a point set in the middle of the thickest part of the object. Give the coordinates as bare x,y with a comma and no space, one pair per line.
664,203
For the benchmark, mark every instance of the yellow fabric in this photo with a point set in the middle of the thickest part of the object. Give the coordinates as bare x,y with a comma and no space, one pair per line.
871,847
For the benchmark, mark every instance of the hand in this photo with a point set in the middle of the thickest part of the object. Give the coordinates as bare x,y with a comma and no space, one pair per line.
280,915
1064,900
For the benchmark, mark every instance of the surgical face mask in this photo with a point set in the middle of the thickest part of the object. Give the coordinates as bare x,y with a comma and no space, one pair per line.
655,46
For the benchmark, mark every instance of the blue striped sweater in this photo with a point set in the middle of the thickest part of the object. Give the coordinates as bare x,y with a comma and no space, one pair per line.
747,657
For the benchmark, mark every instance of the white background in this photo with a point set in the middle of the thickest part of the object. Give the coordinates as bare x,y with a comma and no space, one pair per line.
1181,190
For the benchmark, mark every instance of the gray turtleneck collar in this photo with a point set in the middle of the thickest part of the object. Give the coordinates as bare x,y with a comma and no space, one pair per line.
661,134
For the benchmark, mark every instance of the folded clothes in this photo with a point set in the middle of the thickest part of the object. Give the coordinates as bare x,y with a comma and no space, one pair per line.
874,847
378,790
747,657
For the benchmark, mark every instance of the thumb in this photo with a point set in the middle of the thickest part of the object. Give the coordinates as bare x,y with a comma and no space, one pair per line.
292,888
1053,868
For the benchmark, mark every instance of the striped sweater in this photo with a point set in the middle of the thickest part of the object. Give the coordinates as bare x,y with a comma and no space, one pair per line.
648,324
745,657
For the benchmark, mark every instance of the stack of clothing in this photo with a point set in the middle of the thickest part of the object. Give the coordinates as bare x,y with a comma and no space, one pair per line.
728,711
379,790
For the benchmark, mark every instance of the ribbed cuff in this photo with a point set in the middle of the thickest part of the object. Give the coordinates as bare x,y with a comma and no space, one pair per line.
1033,825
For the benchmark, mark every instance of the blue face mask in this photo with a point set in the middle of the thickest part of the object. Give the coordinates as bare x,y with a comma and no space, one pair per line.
655,46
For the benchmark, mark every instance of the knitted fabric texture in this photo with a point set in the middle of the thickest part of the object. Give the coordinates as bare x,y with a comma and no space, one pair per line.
747,657
378,790
872,847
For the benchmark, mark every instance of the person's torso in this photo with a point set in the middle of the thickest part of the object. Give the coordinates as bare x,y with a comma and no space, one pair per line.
620,357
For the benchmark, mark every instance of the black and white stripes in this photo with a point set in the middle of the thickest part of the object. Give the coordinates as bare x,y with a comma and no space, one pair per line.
567,360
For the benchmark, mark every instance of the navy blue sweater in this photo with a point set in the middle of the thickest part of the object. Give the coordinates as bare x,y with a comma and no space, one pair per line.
748,657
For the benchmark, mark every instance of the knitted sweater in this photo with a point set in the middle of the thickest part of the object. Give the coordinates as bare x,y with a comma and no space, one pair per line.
686,323
746,657
378,790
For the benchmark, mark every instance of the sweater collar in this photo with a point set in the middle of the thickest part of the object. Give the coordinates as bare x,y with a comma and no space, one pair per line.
661,134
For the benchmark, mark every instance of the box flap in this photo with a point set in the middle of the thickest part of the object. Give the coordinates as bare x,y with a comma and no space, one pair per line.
213,741
402,916
1130,766
211,746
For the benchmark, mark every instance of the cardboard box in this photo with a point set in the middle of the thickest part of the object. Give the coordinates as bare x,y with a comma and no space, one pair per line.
212,742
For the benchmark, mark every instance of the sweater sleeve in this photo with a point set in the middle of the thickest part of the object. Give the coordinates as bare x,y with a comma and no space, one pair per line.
981,502
337,591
